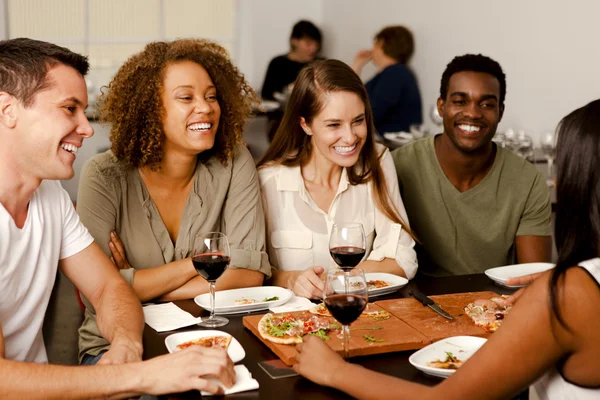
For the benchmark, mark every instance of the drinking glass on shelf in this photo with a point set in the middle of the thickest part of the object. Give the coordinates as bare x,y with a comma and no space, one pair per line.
346,296
210,259
435,115
347,244
525,147
549,151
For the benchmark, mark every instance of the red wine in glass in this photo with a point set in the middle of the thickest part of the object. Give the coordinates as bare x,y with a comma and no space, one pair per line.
345,308
210,266
347,257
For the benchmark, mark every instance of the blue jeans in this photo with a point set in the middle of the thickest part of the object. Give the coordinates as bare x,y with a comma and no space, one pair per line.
93,360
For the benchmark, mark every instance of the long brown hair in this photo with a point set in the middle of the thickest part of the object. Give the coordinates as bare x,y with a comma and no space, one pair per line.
291,146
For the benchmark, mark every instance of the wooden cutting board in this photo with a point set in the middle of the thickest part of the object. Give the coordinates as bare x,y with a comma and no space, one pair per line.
433,325
396,334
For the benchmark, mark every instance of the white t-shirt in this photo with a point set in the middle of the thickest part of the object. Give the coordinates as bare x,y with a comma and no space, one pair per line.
552,385
28,265
298,230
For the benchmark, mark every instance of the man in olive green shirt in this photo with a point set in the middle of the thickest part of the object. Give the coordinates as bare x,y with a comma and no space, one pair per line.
472,204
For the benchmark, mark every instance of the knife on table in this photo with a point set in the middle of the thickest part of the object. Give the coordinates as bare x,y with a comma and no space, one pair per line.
426,301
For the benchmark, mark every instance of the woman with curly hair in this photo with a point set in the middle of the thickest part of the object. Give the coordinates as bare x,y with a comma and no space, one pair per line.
177,167
323,167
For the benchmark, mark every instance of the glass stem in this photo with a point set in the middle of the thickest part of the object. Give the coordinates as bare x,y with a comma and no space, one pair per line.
211,286
346,329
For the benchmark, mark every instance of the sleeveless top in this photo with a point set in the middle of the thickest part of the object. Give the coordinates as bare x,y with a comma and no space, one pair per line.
553,385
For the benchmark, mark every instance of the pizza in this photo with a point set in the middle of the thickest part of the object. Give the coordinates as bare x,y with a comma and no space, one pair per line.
375,315
320,309
488,314
289,328
208,341
450,362
377,284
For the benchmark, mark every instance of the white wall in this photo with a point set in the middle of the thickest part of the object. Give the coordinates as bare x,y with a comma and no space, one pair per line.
265,27
547,48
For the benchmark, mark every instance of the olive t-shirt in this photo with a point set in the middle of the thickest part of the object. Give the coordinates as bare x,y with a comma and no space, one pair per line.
469,232
225,198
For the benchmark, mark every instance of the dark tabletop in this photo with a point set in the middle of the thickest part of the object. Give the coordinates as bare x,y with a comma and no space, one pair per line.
395,364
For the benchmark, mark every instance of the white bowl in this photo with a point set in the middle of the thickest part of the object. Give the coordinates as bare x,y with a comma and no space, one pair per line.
501,274
462,347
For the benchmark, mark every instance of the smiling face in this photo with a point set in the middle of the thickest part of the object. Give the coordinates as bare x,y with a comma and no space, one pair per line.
471,110
192,109
50,131
339,131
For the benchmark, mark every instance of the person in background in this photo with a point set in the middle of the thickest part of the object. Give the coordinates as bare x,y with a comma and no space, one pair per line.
324,167
473,204
305,44
177,168
393,92
42,125
550,338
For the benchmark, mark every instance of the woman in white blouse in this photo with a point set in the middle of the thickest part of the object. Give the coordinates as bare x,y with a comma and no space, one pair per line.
324,167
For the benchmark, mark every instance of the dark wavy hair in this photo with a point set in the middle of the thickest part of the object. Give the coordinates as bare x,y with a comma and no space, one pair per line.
397,43
306,29
291,146
474,63
134,107
577,228
24,65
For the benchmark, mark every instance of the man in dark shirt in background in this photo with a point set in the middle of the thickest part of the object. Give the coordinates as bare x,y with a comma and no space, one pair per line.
393,92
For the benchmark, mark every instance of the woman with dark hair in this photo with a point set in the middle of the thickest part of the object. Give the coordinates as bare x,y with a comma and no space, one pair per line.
551,336
323,167
393,92
177,167
305,44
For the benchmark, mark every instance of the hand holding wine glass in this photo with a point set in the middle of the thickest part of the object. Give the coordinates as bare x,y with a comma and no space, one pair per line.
347,244
210,259
346,296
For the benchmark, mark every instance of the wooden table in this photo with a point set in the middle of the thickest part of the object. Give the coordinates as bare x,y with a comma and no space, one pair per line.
395,364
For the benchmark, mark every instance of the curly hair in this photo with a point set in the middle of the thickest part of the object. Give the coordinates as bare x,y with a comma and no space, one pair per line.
473,63
133,104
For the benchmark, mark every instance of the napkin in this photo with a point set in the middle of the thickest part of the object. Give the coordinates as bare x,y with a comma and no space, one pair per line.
243,382
167,317
295,303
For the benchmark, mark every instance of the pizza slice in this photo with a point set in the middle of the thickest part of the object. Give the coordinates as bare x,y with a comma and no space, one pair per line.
488,314
320,309
208,341
377,284
290,328
450,362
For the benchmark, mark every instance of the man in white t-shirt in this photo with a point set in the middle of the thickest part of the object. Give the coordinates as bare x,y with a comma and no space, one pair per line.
42,125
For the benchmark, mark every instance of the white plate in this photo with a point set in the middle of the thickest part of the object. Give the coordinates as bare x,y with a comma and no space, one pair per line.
225,300
462,347
395,282
501,274
235,350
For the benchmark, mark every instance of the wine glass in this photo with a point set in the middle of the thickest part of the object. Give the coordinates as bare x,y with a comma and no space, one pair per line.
210,259
347,244
346,296
525,147
549,150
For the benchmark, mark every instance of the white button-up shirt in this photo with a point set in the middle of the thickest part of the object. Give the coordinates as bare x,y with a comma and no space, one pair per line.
298,230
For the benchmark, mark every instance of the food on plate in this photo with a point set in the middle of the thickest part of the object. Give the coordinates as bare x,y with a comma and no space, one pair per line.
244,301
377,284
450,362
289,328
274,298
488,314
208,341
320,309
